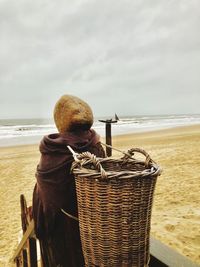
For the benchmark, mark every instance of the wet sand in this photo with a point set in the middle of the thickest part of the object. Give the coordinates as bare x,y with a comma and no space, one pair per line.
176,212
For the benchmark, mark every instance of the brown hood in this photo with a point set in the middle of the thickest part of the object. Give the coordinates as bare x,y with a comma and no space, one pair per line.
54,151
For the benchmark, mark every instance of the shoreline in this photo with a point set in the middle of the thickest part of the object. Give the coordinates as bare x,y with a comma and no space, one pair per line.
34,140
176,213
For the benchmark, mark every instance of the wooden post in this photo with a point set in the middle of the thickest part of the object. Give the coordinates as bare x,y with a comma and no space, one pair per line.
108,139
108,135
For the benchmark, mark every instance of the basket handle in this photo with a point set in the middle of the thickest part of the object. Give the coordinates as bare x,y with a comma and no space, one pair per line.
131,152
87,157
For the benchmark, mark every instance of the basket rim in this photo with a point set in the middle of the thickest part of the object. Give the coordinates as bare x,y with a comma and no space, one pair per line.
79,169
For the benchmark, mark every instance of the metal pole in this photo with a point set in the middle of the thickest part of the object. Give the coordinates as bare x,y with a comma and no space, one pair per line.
109,135
108,139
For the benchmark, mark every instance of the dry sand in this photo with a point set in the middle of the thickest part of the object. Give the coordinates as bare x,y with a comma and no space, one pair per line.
176,210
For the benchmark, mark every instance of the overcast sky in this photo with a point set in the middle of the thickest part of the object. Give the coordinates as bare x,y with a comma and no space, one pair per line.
132,57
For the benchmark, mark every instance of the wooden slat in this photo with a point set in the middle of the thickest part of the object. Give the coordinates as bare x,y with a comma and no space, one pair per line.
156,263
24,220
18,263
29,232
24,258
32,252
168,256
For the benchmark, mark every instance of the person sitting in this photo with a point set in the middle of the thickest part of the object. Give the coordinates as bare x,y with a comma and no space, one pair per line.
59,234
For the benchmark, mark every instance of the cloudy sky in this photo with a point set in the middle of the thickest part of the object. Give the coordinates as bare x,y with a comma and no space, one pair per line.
125,56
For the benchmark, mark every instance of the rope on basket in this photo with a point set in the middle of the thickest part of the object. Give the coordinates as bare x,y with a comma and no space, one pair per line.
118,150
130,153
87,157
69,215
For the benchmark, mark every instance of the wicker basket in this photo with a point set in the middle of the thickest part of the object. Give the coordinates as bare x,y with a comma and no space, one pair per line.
114,207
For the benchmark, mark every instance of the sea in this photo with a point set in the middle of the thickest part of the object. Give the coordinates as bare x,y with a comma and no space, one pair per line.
30,131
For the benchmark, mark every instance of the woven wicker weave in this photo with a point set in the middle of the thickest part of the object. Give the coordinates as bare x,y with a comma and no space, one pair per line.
114,207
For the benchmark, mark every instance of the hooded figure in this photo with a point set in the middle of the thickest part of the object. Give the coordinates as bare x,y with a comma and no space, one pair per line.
55,188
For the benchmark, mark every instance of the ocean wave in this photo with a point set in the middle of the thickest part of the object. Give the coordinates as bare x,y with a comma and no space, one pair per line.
14,128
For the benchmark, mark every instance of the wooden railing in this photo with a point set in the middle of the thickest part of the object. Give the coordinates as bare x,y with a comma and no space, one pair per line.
26,252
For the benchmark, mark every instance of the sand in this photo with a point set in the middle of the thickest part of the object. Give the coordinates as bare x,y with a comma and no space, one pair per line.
176,210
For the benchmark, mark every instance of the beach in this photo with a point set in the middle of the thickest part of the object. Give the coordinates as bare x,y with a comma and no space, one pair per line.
176,212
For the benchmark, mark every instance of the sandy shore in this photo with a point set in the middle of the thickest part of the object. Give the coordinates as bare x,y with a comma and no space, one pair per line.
176,212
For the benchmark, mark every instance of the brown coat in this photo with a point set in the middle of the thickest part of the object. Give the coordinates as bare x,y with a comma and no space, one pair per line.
55,189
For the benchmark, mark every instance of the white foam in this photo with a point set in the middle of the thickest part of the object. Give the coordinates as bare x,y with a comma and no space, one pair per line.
14,132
